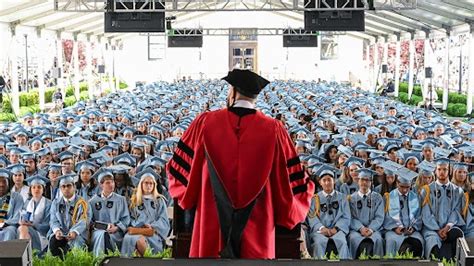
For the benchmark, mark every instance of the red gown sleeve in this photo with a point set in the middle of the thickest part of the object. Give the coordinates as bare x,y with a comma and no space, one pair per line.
292,191
185,160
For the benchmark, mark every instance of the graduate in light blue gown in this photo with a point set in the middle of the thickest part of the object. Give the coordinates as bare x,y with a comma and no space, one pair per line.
403,218
467,209
425,176
11,204
328,218
388,182
86,186
52,190
158,165
441,214
69,219
123,182
351,185
34,221
148,209
18,185
110,215
366,218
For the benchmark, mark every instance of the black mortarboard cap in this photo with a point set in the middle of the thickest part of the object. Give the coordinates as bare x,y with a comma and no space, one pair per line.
246,82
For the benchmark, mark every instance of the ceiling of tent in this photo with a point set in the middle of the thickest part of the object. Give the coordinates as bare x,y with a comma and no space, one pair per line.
430,15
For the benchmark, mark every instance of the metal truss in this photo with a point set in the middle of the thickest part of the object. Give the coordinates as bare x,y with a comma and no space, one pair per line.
79,5
395,4
225,5
227,32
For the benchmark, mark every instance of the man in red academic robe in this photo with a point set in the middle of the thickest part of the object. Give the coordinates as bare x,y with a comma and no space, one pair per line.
240,170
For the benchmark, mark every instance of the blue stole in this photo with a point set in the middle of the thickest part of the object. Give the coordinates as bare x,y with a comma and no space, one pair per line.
394,207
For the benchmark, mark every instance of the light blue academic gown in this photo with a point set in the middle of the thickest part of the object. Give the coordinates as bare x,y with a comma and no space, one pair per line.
41,228
61,217
468,228
338,184
402,212
378,189
112,210
166,187
86,194
15,201
125,192
168,199
444,207
349,189
339,218
368,212
152,212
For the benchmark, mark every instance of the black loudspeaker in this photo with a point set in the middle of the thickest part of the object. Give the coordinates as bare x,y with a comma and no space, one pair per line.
384,69
185,38
465,251
101,69
16,253
184,41
334,20
297,40
428,72
133,21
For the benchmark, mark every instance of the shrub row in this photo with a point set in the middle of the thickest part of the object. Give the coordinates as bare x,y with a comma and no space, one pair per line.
29,101
457,103
453,97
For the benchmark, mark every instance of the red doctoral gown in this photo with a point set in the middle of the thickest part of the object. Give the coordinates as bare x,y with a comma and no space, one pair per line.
254,159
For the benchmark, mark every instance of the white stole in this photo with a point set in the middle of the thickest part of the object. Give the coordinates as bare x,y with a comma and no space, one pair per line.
38,213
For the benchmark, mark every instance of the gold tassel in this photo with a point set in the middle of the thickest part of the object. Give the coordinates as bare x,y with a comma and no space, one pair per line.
316,207
387,201
79,203
426,200
466,207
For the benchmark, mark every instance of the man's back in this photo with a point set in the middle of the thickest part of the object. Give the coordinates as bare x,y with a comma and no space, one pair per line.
255,161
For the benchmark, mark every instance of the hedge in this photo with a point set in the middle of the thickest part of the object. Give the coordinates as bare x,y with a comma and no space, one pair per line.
70,101
456,109
81,256
403,87
7,117
33,109
32,97
84,95
6,105
48,94
29,101
415,100
403,97
457,103
123,85
454,97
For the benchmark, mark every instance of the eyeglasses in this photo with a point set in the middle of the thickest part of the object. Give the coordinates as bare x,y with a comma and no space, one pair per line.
66,186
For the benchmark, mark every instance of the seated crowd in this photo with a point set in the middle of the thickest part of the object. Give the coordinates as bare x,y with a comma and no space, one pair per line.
391,178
